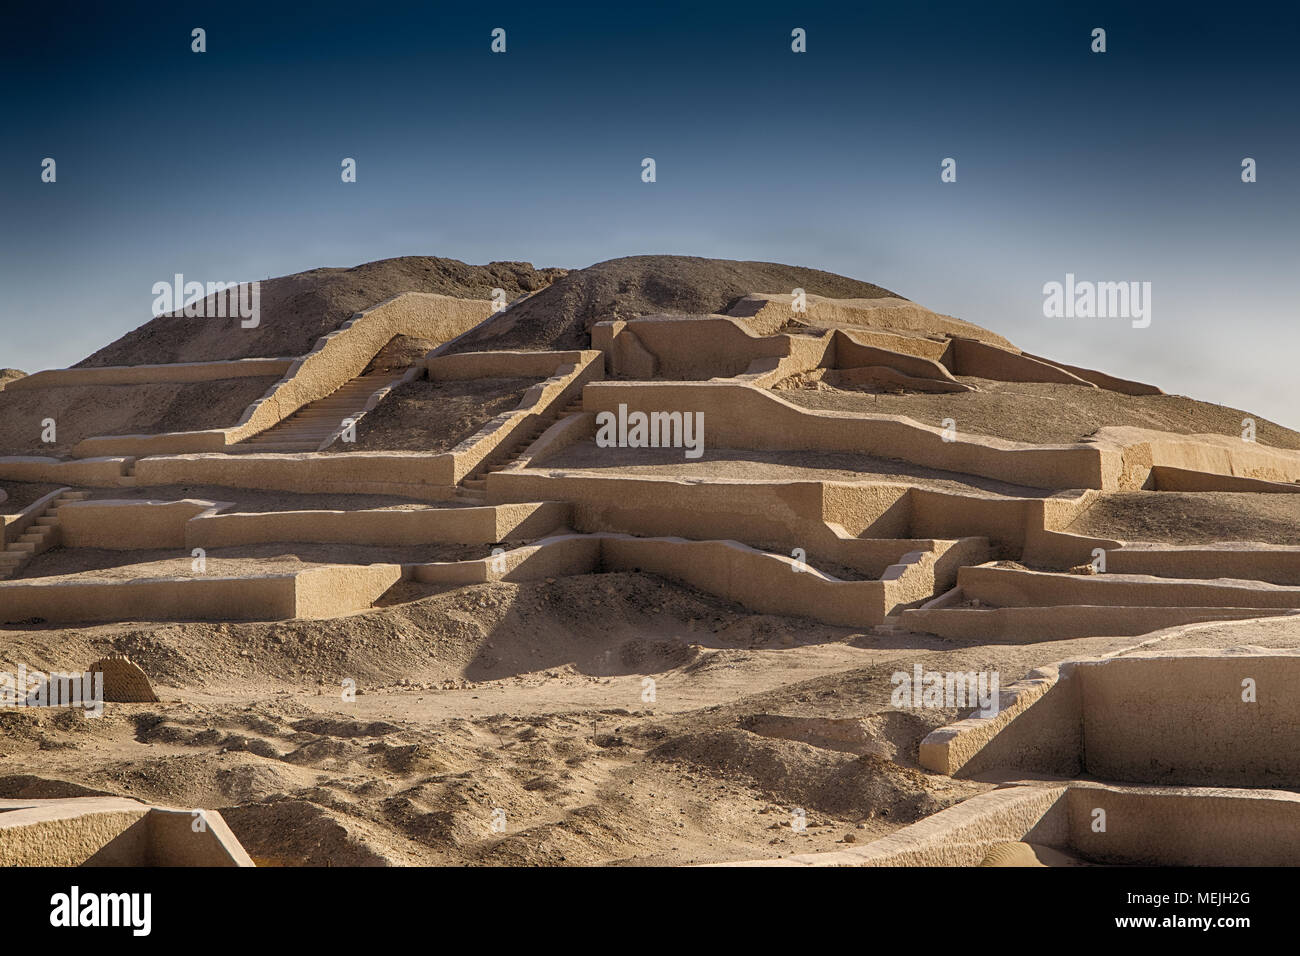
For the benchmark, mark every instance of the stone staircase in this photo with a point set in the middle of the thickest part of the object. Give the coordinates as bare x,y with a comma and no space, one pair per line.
40,536
473,487
308,427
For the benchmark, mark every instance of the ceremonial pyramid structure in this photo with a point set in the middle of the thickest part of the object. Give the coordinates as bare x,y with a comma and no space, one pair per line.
492,564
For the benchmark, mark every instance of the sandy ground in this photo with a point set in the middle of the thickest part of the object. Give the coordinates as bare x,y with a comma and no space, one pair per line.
87,411
752,465
1044,414
434,416
528,699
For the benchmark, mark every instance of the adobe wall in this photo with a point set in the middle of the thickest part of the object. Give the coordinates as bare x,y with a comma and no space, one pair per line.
1143,450
1257,562
976,359
854,354
766,583
461,366
129,525
1165,478
475,525
1037,728
336,359
184,372
341,589
693,347
1178,827
558,556
312,593
1180,718
62,832
776,515
1008,587
767,312
268,598
1147,717
174,842
1027,625
409,474
1101,379
740,416
84,472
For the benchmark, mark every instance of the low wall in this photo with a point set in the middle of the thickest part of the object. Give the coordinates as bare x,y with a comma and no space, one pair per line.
763,582
84,472
485,525
1143,451
408,474
129,525
1165,478
1181,718
1026,625
1181,827
1274,564
461,366
112,831
313,593
1145,826
154,374
741,416
1009,587
979,360
767,312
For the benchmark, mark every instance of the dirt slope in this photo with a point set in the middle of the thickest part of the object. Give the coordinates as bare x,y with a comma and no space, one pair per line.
561,316
299,309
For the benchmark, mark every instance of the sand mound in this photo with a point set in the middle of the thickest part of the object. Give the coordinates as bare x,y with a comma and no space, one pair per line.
805,775
298,309
8,375
561,316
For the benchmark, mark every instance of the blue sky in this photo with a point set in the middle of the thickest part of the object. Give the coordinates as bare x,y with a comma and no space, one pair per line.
1115,167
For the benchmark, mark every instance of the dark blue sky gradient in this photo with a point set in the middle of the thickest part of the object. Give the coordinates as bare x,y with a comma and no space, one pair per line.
1122,166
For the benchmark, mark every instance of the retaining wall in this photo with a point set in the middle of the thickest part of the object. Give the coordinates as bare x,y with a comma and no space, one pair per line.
337,358
1009,587
485,525
312,593
741,416
183,372
1179,718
